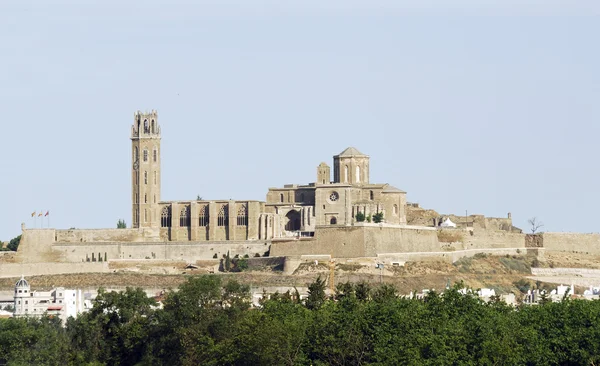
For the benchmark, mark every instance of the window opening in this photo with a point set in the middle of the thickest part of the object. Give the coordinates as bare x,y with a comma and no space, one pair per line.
223,218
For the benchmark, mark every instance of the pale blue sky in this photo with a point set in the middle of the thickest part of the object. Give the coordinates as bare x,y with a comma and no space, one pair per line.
486,106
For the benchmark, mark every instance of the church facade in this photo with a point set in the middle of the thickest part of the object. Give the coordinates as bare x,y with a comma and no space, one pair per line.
294,210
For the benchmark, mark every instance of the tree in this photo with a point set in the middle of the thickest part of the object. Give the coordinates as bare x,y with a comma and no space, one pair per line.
14,243
316,294
378,217
227,262
535,224
198,198
121,224
360,217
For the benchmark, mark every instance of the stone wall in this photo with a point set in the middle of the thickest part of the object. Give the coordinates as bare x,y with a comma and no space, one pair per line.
186,251
8,270
372,240
361,240
572,242
106,235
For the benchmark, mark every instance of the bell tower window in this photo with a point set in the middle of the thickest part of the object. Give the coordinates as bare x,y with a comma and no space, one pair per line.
154,155
145,177
145,155
146,128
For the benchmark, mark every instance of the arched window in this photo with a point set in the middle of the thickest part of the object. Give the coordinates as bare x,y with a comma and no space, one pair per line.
333,221
146,128
223,218
136,154
346,174
184,216
371,195
154,155
153,127
165,217
203,218
145,177
293,221
281,197
357,174
145,155
242,215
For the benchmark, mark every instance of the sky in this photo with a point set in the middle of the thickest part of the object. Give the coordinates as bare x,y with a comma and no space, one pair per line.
483,107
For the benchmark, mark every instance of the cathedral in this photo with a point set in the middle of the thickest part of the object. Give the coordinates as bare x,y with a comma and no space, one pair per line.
295,210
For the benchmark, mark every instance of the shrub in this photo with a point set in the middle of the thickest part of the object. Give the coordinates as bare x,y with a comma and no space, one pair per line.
246,256
378,217
360,217
256,255
516,265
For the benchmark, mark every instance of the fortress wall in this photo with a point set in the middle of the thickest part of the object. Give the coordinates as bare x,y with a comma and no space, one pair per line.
381,239
493,239
359,241
107,235
36,246
189,251
342,242
572,242
8,270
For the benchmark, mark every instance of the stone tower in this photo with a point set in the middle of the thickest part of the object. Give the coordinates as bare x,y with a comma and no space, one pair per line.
23,300
351,167
145,170
323,174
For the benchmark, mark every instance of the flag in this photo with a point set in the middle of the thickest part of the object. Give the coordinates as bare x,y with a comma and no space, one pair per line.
33,214
40,214
47,213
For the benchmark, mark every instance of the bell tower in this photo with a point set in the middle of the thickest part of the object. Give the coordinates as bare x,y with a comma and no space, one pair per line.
145,170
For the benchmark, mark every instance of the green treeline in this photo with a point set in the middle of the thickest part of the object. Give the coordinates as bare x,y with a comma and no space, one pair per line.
207,322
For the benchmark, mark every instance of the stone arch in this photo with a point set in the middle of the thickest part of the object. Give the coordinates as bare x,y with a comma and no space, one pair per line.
292,221
165,217
203,216
184,216
223,217
242,215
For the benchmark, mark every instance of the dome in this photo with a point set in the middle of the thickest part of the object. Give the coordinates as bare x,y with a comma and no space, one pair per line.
22,283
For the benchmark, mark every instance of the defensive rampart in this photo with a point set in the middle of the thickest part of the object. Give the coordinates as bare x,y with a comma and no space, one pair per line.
372,240
76,246
572,242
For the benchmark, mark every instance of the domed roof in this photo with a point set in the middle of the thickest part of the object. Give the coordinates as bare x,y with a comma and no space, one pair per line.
22,282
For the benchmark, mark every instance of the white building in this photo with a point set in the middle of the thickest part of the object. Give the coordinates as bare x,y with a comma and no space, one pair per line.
59,302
